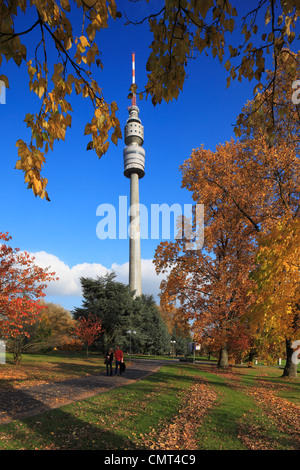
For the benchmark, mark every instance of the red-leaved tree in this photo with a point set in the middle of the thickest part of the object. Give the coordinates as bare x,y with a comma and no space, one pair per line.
22,285
88,329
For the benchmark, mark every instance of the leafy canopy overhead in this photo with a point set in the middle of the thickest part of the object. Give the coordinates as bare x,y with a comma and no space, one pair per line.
242,37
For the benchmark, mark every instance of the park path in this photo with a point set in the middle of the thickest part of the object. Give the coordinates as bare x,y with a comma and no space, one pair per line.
22,402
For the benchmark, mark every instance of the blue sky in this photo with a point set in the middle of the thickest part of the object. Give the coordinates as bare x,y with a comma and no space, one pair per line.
62,233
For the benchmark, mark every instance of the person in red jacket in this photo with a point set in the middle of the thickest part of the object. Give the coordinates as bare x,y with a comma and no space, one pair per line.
118,359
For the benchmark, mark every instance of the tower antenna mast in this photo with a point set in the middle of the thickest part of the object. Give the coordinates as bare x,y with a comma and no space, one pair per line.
133,99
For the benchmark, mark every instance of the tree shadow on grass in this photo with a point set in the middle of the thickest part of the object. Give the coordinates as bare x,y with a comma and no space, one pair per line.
68,368
60,430
16,403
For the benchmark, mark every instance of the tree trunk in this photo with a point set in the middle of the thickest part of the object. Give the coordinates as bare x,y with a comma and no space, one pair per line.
17,358
252,355
223,357
290,369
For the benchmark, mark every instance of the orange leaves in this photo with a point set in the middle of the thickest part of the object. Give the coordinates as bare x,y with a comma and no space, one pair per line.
211,285
22,284
88,329
247,189
283,412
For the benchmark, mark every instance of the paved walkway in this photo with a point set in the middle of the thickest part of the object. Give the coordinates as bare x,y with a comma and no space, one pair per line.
19,403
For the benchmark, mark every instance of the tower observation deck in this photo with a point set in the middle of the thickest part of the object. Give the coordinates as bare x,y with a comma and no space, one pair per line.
134,168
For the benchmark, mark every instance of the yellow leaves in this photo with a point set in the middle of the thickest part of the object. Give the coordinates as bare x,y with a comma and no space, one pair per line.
102,122
117,134
180,30
31,70
84,41
268,16
54,117
113,106
291,36
112,9
68,43
40,90
277,276
31,161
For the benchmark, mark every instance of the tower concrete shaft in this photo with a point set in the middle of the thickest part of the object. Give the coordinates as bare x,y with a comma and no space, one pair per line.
135,275
134,166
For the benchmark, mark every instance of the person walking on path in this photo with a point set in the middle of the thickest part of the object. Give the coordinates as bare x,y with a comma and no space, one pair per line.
118,359
109,360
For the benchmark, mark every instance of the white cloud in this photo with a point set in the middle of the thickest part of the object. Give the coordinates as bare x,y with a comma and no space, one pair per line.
69,277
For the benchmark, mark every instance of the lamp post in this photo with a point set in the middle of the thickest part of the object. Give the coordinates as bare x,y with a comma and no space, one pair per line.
173,347
129,332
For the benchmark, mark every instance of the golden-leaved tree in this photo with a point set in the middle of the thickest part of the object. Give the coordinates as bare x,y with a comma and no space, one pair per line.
274,116
248,190
182,30
275,314
251,194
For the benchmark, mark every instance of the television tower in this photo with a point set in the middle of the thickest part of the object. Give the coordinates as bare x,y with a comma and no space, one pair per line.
134,164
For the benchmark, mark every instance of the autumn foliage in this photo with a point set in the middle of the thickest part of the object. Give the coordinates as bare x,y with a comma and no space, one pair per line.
66,60
88,329
22,285
244,282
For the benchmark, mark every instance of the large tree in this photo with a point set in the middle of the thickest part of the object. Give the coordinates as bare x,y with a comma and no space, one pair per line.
54,328
210,283
273,117
111,301
114,304
32,33
152,336
275,314
254,185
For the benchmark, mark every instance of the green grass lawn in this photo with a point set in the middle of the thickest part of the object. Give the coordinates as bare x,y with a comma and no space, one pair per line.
227,427
251,408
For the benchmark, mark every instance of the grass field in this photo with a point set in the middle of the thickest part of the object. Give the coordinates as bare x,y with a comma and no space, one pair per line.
183,406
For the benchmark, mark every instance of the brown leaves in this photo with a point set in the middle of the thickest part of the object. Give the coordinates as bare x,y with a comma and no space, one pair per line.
272,112
179,433
283,413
